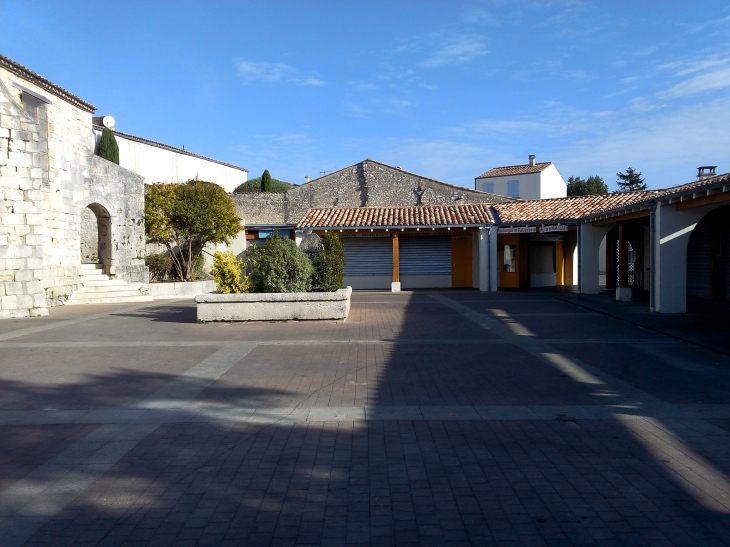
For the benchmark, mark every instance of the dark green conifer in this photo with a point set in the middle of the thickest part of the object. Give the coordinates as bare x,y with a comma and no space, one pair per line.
108,147
266,181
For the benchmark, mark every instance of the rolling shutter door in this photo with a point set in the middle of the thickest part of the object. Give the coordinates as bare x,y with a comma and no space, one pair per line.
368,255
425,255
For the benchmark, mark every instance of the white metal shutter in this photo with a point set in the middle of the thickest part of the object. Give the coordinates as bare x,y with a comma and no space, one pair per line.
427,255
368,255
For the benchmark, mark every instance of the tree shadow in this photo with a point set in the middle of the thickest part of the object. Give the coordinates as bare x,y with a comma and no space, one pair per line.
429,482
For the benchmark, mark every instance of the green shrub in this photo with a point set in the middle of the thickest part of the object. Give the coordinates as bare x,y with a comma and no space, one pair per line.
186,217
108,147
227,273
160,265
329,264
253,186
278,266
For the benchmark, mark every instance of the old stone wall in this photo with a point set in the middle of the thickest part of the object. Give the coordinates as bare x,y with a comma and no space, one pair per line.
366,184
21,204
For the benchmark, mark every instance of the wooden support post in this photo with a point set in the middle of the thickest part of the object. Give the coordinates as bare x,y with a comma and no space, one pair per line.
395,285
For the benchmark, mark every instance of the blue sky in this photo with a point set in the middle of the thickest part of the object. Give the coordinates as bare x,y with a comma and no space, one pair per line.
444,89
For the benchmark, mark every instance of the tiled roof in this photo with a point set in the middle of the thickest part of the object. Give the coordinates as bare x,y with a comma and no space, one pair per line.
412,216
515,170
43,83
570,208
171,148
696,184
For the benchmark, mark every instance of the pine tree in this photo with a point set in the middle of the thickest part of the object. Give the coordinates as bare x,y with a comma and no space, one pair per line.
266,181
108,148
630,181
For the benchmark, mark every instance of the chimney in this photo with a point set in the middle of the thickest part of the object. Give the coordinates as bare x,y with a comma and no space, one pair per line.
706,172
531,160
306,179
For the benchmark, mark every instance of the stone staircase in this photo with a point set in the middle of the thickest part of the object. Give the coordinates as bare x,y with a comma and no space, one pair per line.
97,288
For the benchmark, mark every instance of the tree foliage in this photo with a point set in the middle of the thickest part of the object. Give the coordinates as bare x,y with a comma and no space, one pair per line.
108,147
588,187
227,273
329,263
159,264
253,186
278,266
630,181
266,181
186,217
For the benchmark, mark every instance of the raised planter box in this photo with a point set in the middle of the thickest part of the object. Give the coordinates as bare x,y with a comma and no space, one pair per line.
191,289
304,306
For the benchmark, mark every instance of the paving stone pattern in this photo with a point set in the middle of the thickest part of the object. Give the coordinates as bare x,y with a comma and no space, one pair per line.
431,418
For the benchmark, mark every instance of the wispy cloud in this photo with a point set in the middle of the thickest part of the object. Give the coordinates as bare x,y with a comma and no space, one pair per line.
455,51
252,71
710,74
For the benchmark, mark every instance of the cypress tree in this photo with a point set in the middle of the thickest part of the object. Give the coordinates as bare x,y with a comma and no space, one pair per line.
266,181
108,148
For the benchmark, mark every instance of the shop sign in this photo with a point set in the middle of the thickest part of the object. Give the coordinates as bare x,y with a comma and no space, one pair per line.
517,230
554,228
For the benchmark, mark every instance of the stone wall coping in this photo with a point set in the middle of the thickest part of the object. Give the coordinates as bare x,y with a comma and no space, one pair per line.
342,294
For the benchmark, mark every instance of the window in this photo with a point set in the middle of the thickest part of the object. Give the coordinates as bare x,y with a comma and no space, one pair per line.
513,188
509,259
32,105
488,187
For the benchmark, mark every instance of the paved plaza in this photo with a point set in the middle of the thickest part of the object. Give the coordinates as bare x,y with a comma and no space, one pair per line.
427,418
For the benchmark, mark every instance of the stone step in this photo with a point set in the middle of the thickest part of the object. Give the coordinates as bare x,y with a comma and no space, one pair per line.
86,282
107,299
92,266
108,291
94,277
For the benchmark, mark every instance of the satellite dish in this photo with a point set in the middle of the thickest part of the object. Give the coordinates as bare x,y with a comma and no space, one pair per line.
108,121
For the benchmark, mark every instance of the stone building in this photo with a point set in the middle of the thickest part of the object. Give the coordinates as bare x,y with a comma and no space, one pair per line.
48,176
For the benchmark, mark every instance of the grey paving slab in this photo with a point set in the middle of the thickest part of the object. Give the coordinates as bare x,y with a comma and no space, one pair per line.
425,418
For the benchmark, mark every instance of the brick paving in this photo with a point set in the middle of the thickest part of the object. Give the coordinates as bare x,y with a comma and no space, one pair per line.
452,418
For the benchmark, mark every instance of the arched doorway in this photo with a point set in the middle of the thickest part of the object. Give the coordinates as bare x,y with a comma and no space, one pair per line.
96,236
708,257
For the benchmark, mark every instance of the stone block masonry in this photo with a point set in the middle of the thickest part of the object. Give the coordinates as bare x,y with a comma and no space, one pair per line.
50,181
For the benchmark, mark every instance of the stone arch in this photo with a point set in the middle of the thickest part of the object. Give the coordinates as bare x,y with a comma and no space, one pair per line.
96,235
708,256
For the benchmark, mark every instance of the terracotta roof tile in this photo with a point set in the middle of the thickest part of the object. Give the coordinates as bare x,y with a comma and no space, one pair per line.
696,184
515,170
382,217
40,81
570,208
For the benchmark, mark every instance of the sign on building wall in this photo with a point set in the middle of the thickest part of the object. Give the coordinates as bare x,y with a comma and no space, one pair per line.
518,230
554,228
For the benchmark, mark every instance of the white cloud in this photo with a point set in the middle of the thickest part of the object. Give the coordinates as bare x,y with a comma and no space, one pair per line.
265,72
709,81
274,72
454,51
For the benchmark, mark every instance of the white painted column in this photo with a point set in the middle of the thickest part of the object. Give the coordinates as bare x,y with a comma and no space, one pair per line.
483,259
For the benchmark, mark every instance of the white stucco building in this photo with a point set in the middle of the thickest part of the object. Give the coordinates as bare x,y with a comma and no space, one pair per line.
529,181
158,162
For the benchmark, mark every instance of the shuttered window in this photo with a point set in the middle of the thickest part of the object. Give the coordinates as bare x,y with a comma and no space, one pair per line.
368,255
425,255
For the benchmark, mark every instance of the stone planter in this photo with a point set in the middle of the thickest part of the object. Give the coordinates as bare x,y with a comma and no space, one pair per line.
303,306
191,289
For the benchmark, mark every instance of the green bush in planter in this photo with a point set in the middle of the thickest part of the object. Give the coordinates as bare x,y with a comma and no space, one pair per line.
278,266
329,263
